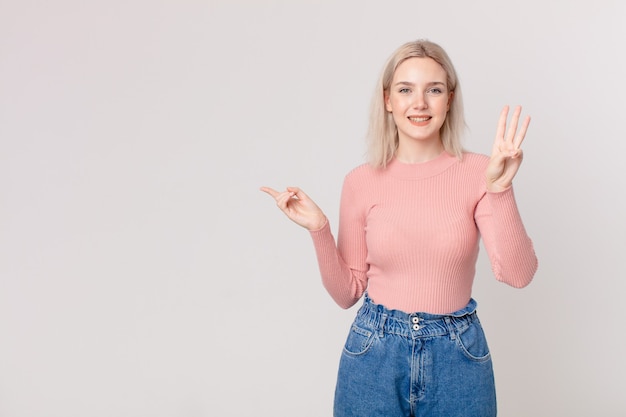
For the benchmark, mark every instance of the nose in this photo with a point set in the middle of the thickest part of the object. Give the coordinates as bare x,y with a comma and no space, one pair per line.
419,101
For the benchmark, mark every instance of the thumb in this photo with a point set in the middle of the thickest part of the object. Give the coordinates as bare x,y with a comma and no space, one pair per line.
298,193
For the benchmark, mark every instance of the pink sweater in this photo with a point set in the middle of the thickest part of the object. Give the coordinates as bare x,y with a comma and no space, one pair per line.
409,234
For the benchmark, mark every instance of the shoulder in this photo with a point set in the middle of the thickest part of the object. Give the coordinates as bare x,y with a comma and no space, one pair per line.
474,161
360,180
473,157
471,172
363,172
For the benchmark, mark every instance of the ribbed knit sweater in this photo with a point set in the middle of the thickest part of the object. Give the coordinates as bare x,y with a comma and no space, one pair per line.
409,235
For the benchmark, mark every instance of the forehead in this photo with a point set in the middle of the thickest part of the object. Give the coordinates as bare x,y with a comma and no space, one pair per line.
419,70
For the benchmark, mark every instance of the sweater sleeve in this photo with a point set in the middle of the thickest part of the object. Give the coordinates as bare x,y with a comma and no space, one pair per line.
343,265
510,250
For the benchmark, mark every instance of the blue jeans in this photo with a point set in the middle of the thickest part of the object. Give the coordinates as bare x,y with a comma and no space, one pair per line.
419,365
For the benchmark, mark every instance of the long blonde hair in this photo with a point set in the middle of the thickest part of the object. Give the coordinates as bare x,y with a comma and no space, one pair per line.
383,133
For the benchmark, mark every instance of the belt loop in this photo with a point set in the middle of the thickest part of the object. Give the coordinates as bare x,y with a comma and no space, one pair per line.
450,327
381,326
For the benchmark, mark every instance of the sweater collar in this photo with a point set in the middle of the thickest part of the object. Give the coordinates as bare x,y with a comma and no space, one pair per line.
421,170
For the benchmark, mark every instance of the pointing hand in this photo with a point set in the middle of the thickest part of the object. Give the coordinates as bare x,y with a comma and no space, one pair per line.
298,207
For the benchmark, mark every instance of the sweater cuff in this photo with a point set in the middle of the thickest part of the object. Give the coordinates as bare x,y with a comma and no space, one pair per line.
504,197
322,237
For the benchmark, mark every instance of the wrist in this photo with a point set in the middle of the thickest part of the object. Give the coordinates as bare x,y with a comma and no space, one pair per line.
496,188
318,225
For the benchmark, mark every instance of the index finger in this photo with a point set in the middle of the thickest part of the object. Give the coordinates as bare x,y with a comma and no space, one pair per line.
270,191
502,123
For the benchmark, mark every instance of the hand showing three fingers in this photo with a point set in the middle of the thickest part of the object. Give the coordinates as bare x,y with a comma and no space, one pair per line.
506,154
298,207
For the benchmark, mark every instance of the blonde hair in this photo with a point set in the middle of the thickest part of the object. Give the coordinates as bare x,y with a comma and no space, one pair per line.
383,133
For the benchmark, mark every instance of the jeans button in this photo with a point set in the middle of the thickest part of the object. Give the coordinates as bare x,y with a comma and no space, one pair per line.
416,327
415,320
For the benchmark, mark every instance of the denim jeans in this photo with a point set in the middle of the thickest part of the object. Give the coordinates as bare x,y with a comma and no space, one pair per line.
415,364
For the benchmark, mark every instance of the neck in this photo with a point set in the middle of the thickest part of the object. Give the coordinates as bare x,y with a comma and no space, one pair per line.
416,152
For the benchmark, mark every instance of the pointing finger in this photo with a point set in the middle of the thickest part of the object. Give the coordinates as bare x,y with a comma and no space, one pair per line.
502,123
270,191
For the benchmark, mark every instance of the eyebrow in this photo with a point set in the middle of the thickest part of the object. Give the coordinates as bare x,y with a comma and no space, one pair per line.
412,84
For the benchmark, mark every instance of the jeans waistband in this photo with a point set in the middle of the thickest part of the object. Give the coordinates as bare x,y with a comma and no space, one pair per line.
384,320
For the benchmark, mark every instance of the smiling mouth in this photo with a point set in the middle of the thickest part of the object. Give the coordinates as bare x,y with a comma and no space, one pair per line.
420,119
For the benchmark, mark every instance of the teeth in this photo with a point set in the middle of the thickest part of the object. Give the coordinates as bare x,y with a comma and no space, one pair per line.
418,119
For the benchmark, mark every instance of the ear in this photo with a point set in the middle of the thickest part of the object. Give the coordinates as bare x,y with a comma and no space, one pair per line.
387,101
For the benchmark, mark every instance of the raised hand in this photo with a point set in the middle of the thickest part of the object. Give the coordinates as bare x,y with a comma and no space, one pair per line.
298,207
506,154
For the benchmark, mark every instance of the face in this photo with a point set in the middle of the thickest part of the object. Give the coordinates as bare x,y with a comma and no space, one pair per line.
419,99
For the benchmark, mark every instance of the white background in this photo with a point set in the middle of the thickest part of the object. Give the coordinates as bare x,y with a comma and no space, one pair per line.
142,273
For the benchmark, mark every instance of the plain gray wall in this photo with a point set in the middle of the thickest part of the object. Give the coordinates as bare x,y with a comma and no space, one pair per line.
142,273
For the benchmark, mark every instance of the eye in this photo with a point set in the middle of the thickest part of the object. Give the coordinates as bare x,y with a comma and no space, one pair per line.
404,90
435,91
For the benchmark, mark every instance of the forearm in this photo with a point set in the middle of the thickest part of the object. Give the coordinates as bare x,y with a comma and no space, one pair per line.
510,248
345,285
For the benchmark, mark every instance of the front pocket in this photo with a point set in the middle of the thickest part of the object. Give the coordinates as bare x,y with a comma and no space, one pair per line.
359,341
473,343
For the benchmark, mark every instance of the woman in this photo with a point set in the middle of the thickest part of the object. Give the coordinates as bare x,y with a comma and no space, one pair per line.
409,230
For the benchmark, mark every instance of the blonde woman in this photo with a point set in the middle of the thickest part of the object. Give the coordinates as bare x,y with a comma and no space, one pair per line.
407,244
